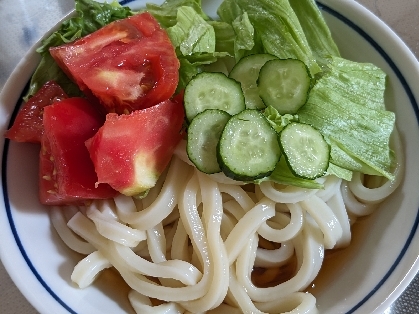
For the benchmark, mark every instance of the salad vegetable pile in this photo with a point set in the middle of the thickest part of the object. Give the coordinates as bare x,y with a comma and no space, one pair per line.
259,93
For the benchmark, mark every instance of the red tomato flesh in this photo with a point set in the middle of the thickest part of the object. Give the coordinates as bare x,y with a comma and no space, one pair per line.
131,151
127,65
28,126
67,174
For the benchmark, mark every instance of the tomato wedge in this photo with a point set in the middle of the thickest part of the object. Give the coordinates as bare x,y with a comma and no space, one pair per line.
131,151
127,65
67,174
28,126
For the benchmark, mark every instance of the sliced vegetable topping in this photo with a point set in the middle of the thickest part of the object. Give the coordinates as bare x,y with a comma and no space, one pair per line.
347,106
89,16
278,28
248,147
305,150
28,125
284,84
213,91
203,135
246,71
67,174
127,65
130,152
131,66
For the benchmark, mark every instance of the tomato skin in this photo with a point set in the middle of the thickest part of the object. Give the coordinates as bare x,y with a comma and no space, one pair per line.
67,174
131,151
28,125
127,65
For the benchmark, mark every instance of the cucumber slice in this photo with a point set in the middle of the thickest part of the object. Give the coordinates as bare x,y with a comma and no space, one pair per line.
284,84
246,72
248,148
212,90
305,149
203,135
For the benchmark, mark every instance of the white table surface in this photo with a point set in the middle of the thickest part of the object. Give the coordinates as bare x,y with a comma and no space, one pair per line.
22,23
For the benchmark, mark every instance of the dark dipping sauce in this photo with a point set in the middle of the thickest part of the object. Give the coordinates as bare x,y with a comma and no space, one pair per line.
334,262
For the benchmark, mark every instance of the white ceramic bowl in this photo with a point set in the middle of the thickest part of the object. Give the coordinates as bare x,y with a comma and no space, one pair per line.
365,278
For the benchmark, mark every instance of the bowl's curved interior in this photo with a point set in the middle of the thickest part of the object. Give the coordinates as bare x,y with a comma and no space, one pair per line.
364,278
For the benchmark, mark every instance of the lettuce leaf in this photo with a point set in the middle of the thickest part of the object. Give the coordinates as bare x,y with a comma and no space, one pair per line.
225,36
347,106
316,31
277,28
340,172
283,175
191,33
198,40
244,32
276,120
48,70
166,13
90,16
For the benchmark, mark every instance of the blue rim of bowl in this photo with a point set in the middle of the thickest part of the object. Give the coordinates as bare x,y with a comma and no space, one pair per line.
324,8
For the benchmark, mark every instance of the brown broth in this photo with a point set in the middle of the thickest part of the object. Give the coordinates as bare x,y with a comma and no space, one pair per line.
270,277
114,286
336,260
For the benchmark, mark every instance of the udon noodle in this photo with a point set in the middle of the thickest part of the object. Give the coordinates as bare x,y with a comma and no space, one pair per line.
205,243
